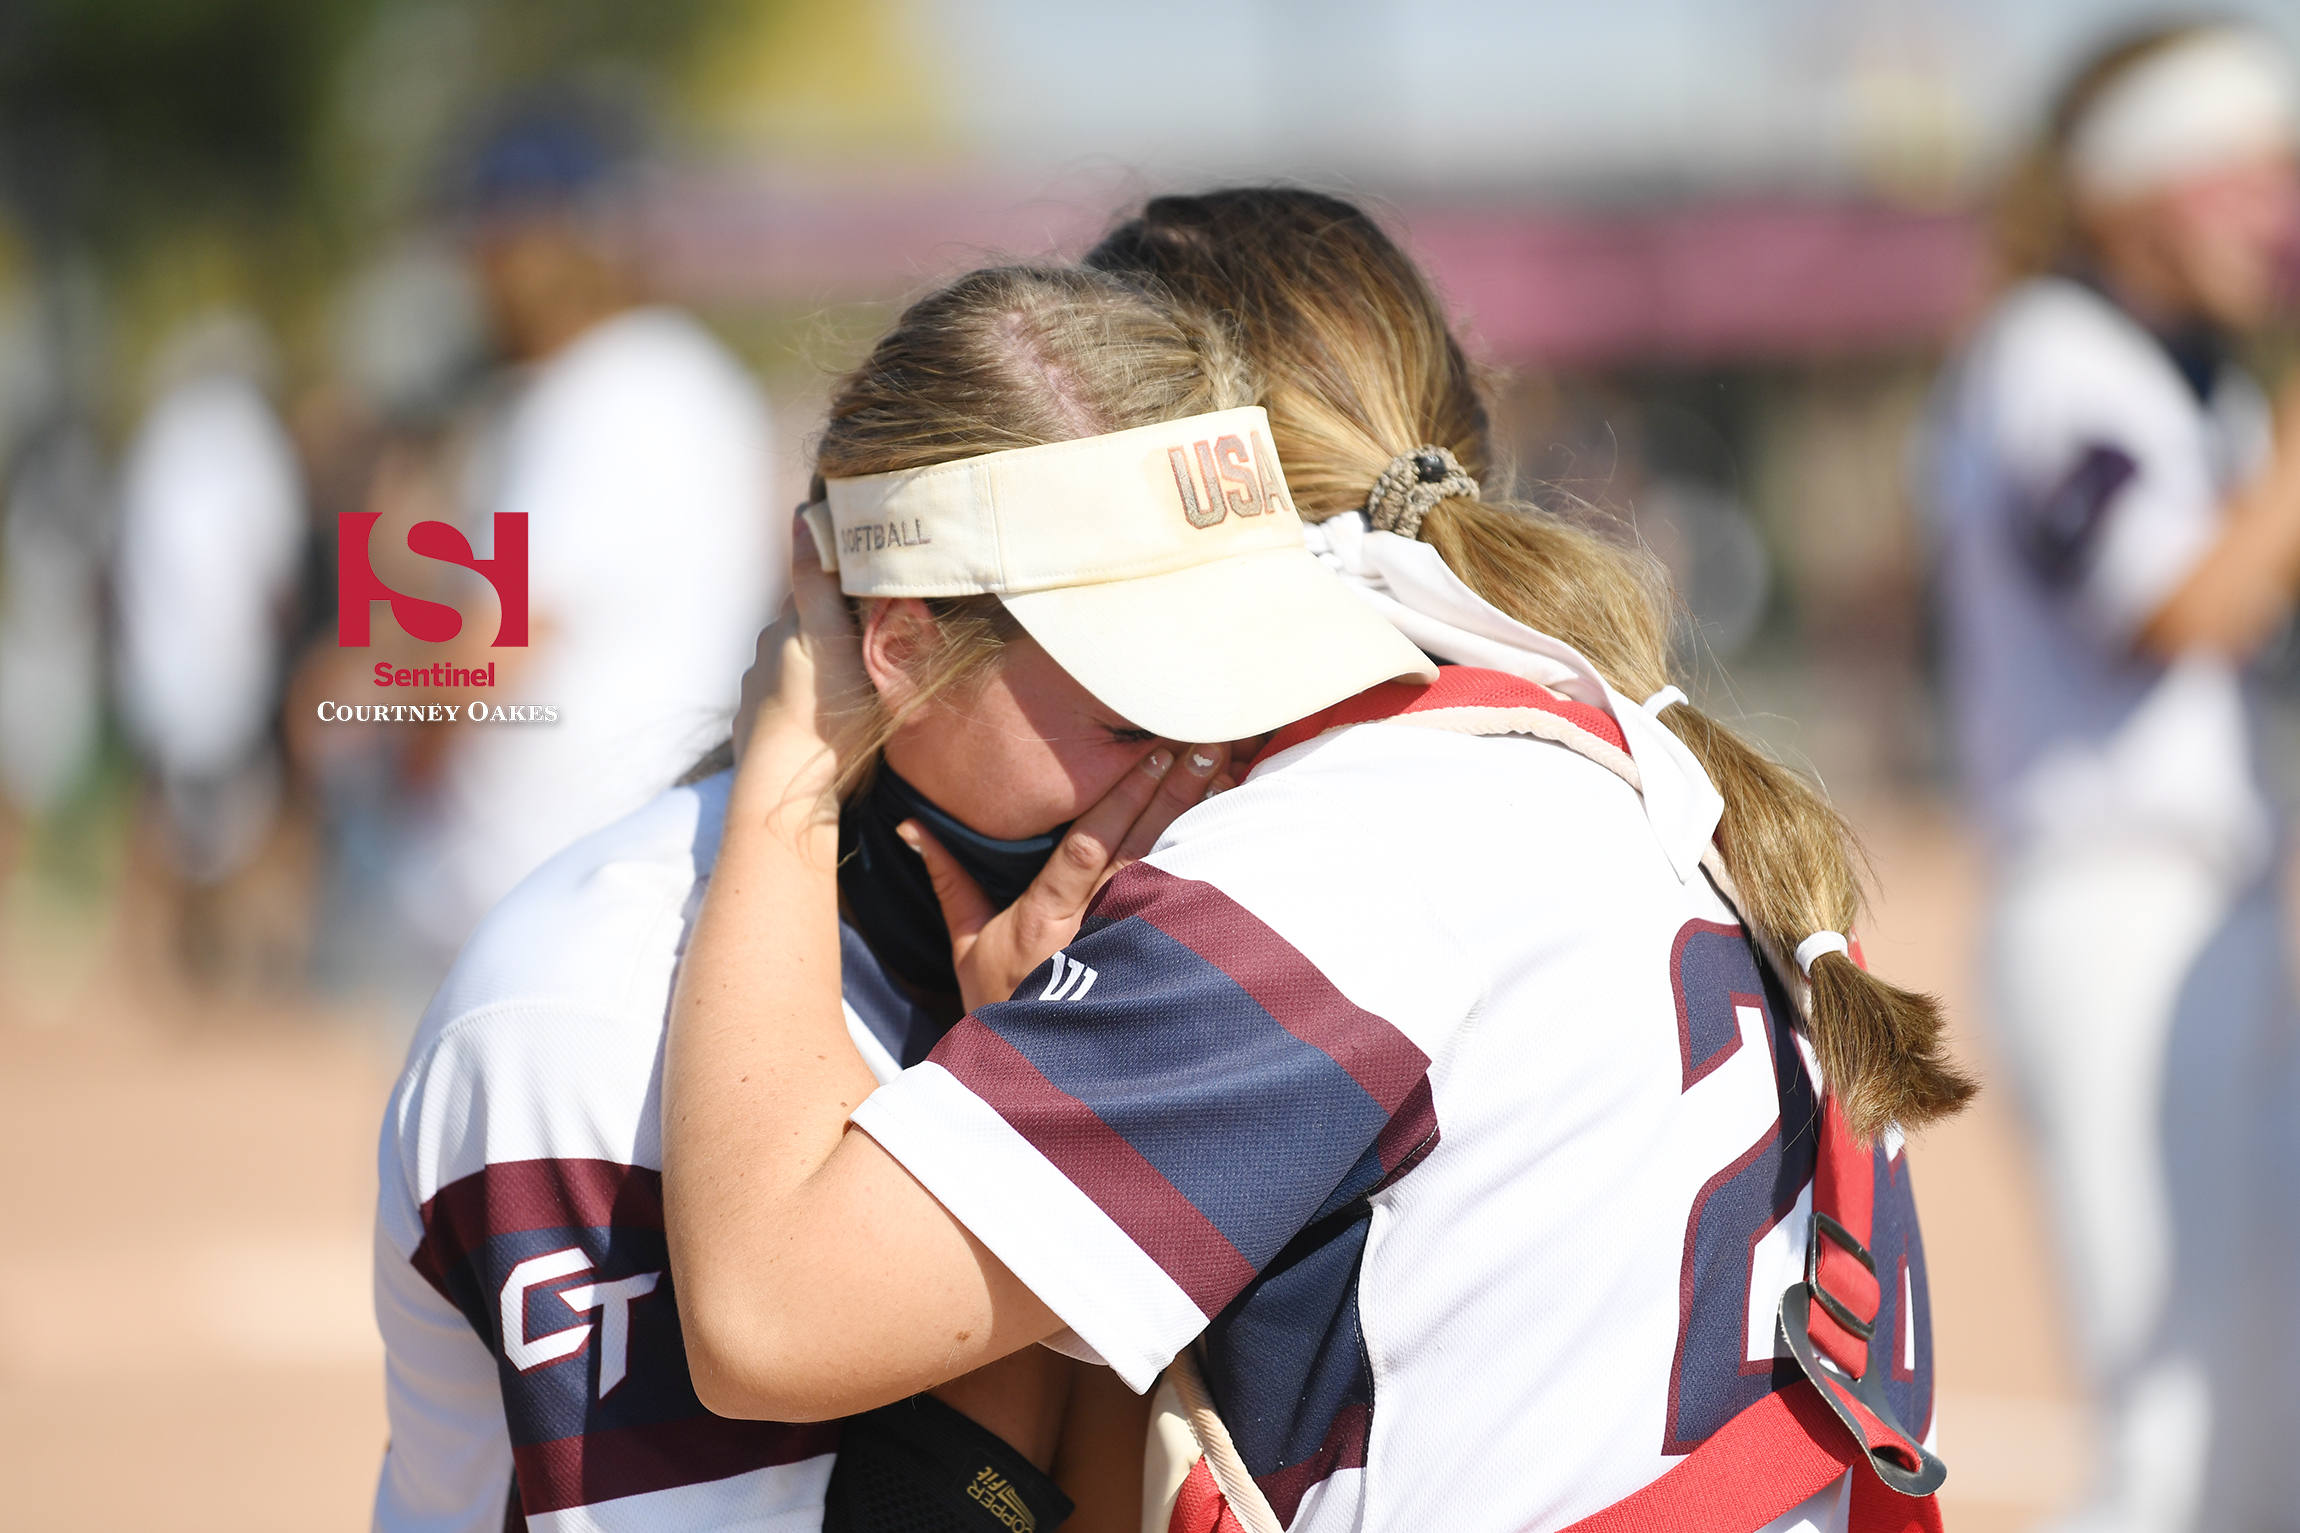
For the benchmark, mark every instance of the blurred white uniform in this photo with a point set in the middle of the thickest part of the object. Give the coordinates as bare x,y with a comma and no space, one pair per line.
2137,957
640,457
212,529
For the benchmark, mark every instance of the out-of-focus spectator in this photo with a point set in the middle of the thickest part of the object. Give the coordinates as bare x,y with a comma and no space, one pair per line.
409,337
637,447
384,433
2120,509
51,631
211,536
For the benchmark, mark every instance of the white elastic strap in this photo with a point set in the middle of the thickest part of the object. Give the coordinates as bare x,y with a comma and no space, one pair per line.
1653,705
1409,583
1817,944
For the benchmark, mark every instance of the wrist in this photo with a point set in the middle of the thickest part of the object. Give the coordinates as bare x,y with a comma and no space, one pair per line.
789,784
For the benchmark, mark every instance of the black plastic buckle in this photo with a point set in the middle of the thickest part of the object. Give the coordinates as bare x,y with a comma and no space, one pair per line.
1796,1320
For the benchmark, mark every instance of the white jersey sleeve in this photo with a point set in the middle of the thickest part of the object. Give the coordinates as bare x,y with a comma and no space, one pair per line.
1225,1054
447,1467
523,1283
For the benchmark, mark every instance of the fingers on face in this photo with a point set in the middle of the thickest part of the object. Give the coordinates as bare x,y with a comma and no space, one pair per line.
1083,859
965,908
776,634
1197,769
804,553
819,606
1127,822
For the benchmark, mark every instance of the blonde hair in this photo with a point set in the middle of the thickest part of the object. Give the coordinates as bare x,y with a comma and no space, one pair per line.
1013,356
1360,367
2035,222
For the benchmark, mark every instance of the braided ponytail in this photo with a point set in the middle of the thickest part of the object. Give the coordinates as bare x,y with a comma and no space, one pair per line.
1360,367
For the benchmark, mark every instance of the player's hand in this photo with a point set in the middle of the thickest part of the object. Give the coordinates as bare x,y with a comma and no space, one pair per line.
806,697
994,950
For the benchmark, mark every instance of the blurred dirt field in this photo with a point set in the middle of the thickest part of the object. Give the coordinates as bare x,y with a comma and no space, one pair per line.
185,1338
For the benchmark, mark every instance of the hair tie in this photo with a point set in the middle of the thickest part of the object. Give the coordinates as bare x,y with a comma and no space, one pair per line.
1653,705
1817,944
1414,482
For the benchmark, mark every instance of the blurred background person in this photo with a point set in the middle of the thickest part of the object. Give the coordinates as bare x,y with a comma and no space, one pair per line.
206,582
638,448
389,431
2120,517
53,528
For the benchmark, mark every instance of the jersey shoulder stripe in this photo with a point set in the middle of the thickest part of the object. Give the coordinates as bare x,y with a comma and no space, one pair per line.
513,1197
1203,1262
1254,1060
1287,987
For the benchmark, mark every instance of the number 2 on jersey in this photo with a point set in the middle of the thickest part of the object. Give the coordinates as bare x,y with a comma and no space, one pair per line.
1745,1234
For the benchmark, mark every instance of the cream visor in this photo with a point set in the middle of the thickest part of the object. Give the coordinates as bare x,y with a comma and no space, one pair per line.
1162,567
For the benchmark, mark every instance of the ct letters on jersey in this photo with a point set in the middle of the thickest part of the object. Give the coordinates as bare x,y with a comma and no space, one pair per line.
562,1269
1745,1235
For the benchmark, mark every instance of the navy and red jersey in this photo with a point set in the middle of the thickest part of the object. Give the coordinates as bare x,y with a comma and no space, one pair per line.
1472,1144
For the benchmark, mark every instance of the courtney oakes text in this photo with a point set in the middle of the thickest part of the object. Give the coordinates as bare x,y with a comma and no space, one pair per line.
438,713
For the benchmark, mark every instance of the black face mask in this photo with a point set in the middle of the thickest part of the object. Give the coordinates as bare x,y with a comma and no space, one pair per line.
888,895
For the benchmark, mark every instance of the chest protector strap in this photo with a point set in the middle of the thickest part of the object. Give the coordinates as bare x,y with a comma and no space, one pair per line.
1781,1451
1795,1442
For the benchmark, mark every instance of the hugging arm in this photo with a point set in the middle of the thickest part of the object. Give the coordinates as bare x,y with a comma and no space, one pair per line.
816,1277
2242,587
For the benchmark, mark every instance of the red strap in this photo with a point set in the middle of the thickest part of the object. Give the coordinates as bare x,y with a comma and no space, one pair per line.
1457,686
1776,1454
1789,1446
1752,1469
1844,1179
1844,1189
1200,1507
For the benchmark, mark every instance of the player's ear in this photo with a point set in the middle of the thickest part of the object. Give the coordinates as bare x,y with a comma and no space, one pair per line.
898,638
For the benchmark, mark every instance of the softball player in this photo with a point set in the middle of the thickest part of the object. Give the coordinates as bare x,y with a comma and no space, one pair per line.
1439,1108
527,1306
2119,537
528,1314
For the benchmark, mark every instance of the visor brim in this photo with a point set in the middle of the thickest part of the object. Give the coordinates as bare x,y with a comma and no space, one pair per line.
1221,651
